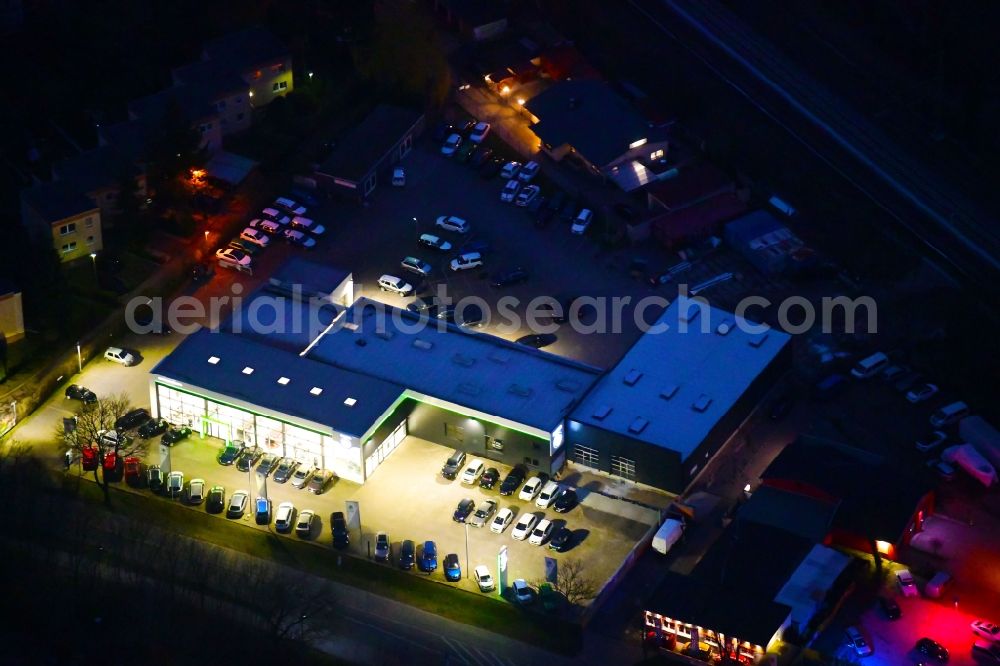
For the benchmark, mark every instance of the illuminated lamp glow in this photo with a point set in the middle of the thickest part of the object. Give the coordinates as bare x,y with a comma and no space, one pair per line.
505,90
883,547
636,144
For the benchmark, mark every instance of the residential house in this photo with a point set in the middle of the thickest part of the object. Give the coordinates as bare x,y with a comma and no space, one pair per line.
370,151
11,312
71,220
594,126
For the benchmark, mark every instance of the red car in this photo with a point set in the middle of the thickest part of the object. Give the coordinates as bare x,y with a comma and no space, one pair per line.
88,459
133,471
112,466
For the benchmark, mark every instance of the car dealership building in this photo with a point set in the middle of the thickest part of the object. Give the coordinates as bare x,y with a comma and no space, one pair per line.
345,397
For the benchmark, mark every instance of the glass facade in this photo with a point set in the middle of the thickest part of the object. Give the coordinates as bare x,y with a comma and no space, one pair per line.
211,418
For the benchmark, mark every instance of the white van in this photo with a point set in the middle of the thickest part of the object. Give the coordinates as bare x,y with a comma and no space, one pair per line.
871,366
949,414
669,533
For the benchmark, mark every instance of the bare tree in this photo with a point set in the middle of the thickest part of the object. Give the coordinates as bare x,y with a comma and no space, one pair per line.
289,605
573,582
85,436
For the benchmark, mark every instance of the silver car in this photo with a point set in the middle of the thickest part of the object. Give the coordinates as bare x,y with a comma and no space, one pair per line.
483,513
302,476
383,547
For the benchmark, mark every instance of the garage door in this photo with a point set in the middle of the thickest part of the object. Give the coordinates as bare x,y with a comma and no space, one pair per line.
384,449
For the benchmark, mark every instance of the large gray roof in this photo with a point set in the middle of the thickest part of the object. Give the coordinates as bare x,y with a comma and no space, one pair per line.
474,370
189,364
369,142
672,387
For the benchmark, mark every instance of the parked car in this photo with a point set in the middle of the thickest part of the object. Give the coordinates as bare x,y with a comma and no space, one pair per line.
548,495
154,476
262,510
451,145
857,642
215,501
452,568
305,197
465,152
528,172
949,414
267,463
536,204
501,520
395,285
510,190
284,470
434,242
429,557
527,195
133,471
489,478
464,262
541,533
255,236
442,131
300,238
229,453
399,177
481,574
152,428
907,381
237,504
931,441
339,531
320,481
548,597
119,355
510,169
452,223
462,511
407,555
175,483
244,246
304,525
907,586
561,539
473,471
290,206
453,464
479,132
417,266
302,476
986,651
513,480
231,257
921,393
174,435
383,548
284,517
532,487
483,513
132,419
482,156
523,527
509,277
196,491
566,501
523,594
889,607
932,649
582,221
987,630
81,393
265,226
247,459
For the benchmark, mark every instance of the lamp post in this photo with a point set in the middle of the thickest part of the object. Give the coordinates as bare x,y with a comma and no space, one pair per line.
468,565
79,358
416,229
93,263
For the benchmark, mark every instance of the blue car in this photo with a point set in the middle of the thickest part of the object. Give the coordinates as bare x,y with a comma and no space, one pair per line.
429,558
452,569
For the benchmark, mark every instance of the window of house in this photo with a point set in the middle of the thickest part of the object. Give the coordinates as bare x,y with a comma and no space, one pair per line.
68,247
89,222
656,154
90,240
279,85
67,229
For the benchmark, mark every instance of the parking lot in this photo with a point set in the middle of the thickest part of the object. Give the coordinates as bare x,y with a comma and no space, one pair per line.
409,499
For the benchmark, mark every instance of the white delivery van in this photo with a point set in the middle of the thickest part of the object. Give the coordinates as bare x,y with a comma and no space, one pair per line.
949,414
870,366
669,533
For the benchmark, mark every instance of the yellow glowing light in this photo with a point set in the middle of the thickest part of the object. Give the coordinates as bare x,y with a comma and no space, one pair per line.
884,547
520,101
505,90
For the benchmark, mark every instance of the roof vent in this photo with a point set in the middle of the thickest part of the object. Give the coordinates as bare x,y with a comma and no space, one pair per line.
350,326
423,344
602,412
283,380
385,335
361,342
315,390
463,360
669,391
757,340
517,389
688,315
725,327
702,403
638,425
632,377
499,356
248,370
568,385
213,360
350,402
469,389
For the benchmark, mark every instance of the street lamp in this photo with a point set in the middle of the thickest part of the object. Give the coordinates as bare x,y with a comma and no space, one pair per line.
93,263
310,76
206,237
416,228
468,564
79,358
